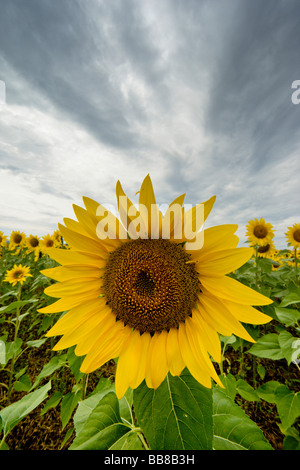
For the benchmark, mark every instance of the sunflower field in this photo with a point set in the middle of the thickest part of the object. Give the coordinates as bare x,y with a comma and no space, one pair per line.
56,395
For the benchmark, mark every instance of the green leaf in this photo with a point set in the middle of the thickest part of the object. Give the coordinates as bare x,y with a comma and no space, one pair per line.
288,316
86,407
129,441
68,405
103,427
288,405
267,346
178,415
52,402
23,385
290,346
54,364
291,298
246,391
13,414
291,443
14,305
36,343
233,429
10,349
75,363
267,391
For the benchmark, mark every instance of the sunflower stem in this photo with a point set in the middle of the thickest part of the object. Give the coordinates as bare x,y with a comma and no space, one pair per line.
296,266
13,359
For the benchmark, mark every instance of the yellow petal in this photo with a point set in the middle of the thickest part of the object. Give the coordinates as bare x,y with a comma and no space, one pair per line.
124,206
75,226
220,237
104,220
149,209
172,227
207,335
230,289
84,329
67,302
158,361
66,273
74,287
246,313
89,342
218,263
145,339
128,363
67,257
219,315
200,353
109,347
82,243
174,358
86,220
74,317
197,369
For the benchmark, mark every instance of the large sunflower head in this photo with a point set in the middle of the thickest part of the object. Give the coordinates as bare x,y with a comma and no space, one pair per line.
17,239
150,289
259,232
17,275
293,235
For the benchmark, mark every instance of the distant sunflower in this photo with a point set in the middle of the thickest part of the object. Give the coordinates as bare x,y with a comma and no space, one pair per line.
151,302
57,237
33,245
48,241
293,235
259,232
17,275
3,239
266,251
17,239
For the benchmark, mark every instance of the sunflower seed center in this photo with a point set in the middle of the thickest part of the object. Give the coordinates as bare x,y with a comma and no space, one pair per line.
296,235
149,285
260,231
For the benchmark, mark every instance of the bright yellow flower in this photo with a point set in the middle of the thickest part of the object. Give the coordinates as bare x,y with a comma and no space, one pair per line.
17,274
293,235
265,251
17,239
156,303
259,232
48,241
57,237
3,239
33,245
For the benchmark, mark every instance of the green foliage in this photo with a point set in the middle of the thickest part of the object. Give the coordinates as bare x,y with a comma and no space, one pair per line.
178,415
181,414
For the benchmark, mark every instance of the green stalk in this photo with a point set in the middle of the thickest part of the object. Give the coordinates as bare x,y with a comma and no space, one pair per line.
296,265
13,360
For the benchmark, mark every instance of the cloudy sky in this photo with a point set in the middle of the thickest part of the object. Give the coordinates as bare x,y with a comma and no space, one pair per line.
197,93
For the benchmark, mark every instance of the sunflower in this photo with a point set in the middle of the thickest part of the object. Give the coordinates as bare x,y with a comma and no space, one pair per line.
17,239
157,304
293,235
3,239
33,245
57,237
259,232
17,274
265,251
48,241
